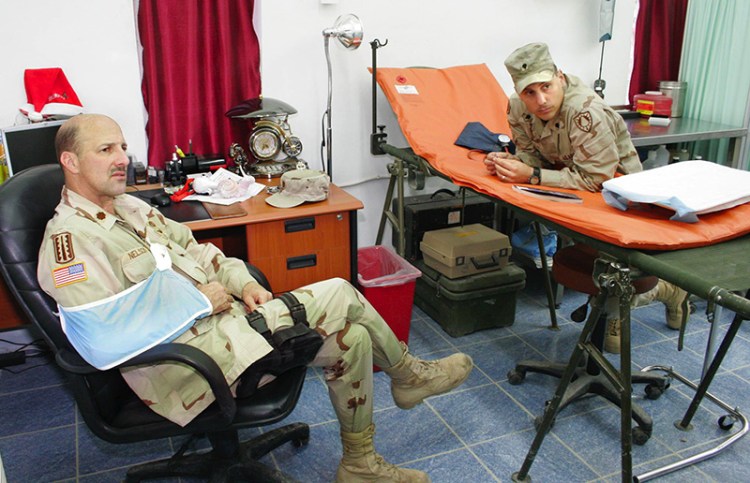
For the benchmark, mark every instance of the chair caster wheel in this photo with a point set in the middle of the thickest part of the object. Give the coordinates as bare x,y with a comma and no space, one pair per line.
654,391
640,435
726,422
579,314
516,377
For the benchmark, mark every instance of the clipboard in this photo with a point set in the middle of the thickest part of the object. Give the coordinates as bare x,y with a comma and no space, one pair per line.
218,212
548,194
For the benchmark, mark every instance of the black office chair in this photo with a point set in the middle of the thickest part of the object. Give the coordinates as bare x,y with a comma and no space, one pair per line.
111,410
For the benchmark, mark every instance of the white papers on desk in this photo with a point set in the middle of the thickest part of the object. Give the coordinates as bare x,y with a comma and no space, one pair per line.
220,175
690,188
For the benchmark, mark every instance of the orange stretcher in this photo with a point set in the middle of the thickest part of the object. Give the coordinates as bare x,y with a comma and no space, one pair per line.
434,105
707,258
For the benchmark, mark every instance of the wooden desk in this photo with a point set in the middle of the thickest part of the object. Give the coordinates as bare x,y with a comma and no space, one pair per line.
292,246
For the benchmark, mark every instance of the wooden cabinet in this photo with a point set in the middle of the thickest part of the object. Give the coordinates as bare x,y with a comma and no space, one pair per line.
292,246
300,251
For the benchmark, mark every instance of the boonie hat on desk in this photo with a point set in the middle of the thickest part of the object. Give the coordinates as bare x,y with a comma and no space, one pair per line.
298,186
530,64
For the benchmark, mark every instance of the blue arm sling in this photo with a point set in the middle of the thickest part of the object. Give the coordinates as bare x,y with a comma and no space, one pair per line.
110,331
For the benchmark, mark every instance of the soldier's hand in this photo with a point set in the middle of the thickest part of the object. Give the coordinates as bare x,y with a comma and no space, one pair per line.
220,299
489,162
510,169
253,294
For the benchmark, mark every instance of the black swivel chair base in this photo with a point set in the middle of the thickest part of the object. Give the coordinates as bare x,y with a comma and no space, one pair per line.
589,379
230,460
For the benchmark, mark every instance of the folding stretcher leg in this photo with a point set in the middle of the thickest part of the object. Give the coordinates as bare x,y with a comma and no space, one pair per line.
614,281
551,301
397,219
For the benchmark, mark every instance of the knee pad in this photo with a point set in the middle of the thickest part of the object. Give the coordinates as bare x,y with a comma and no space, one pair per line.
292,346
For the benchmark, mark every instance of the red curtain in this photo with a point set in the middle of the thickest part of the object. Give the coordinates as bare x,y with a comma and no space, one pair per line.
658,44
200,58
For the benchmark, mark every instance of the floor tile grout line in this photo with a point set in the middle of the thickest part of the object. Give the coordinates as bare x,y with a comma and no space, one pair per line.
461,440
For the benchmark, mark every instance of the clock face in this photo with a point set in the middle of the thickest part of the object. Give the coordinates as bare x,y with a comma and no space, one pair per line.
265,143
292,146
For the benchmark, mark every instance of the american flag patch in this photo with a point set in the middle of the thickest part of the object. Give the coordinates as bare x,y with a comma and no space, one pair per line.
69,274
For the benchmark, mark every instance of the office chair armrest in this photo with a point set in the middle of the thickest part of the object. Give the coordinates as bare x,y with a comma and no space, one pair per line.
71,361
197,359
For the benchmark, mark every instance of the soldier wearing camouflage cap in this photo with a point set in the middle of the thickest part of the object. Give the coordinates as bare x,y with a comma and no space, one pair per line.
566,136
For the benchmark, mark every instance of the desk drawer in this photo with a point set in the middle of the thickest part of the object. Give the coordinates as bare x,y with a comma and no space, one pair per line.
301,251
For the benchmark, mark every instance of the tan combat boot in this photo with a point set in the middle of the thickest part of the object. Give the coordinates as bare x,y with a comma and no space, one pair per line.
675,301
612,336
413,380
361,463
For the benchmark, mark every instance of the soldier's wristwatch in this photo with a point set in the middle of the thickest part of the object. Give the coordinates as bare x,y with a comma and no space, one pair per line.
536,176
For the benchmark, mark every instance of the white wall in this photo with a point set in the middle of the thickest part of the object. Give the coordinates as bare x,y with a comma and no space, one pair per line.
95,44
436,33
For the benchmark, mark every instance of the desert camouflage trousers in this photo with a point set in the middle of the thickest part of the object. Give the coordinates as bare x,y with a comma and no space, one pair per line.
355,337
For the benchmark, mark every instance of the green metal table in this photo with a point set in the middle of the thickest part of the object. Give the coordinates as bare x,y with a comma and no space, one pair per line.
685,129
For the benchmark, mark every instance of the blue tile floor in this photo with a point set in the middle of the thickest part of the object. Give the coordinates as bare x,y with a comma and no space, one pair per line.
477,433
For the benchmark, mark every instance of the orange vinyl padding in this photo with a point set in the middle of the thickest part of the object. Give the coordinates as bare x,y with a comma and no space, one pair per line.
434,105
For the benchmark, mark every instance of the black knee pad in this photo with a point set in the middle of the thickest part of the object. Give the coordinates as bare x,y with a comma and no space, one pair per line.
292,346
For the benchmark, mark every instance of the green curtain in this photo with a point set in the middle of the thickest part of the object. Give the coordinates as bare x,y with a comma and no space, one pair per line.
715,54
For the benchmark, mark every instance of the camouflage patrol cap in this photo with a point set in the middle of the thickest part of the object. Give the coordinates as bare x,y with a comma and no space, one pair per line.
530,64
298,186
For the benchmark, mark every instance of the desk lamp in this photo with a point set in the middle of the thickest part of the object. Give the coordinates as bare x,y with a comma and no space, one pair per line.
348,29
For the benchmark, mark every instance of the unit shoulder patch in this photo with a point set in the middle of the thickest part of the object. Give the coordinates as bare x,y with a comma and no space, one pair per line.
64,252
584,121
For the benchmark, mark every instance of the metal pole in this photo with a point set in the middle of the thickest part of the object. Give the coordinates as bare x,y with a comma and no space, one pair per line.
328,134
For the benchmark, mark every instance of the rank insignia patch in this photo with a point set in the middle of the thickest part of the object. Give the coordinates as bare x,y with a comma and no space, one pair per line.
584,121
63,248
69,274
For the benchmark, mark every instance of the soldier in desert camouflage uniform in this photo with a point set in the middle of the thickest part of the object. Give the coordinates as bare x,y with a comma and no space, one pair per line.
106,235
566,136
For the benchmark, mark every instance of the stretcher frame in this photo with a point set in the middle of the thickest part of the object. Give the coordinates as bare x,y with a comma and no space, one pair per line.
676,266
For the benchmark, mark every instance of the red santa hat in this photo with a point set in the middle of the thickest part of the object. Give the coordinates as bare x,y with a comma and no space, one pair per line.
49,94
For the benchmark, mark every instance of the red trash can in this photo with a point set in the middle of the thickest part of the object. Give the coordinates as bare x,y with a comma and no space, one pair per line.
387,281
